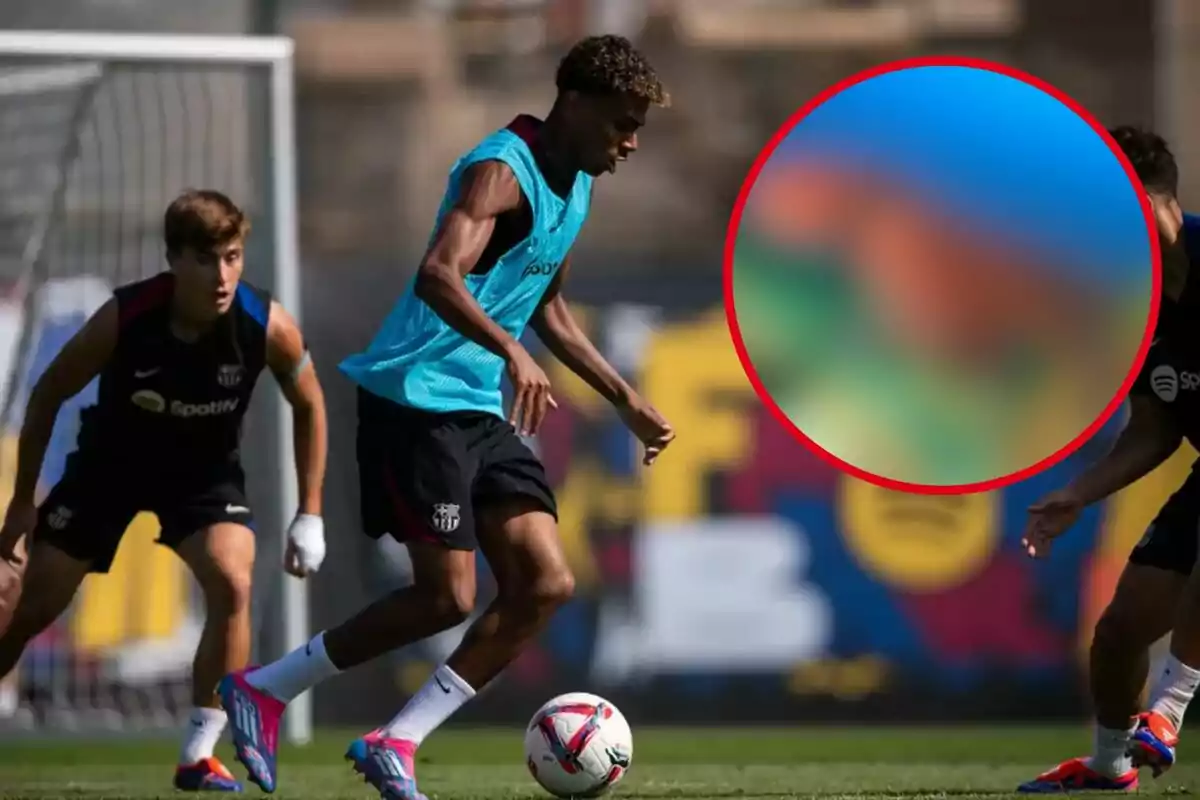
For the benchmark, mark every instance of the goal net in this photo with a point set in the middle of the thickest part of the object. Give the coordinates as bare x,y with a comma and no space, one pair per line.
101,132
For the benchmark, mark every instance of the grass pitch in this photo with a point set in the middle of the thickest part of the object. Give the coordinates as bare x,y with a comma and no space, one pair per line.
696,764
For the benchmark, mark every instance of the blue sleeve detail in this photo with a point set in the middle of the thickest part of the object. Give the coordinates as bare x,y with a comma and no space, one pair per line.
253,304
1191,235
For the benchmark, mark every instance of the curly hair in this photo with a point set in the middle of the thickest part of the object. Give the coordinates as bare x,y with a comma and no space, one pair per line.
610,65
1150,156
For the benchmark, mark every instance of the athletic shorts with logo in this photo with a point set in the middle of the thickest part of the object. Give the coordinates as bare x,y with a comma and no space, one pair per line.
1173,538
87,512
423,475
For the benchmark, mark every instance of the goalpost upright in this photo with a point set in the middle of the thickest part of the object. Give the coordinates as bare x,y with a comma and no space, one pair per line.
273,54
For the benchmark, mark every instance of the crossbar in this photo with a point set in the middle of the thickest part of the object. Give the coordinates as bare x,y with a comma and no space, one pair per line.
126,47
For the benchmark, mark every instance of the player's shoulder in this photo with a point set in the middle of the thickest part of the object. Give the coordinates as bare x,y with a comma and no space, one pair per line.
137,299
488,187
522,130
506,150
1191,234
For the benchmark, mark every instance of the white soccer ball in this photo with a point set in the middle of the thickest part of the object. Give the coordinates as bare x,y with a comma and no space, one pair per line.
578,745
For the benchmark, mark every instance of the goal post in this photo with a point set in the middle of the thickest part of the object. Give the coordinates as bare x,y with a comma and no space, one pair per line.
93,218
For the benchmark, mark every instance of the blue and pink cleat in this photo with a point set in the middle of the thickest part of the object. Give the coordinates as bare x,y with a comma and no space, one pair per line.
254,721
1077,776
1153,743
386,764
206,775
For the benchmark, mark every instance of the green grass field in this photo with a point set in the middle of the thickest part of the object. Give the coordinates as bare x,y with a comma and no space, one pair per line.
668,763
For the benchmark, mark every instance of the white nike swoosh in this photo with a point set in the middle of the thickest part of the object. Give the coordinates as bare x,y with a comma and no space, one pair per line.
146,373
232,509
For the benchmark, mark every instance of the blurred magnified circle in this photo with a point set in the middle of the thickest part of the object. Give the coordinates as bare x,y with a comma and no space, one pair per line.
940,276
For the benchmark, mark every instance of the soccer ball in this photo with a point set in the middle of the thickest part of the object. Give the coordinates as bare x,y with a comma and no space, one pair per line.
578,745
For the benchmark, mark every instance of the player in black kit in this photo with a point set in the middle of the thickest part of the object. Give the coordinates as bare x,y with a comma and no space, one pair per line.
178,356
1159,590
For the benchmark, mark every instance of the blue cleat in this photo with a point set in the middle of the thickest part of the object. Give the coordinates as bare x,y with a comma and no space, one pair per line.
386,764
254,721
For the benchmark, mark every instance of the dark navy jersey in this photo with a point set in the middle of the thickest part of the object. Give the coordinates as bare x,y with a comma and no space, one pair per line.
1171,375
1181,318
168,407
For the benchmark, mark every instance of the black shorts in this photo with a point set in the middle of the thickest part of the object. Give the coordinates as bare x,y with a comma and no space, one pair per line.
88,511
1172,540
422,475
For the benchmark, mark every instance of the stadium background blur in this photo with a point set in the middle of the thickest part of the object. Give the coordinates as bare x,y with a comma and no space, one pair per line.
741,580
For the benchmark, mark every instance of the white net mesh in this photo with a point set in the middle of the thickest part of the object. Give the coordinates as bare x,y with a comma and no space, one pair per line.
93,154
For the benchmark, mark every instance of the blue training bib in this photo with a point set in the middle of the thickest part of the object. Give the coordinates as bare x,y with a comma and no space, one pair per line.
418,360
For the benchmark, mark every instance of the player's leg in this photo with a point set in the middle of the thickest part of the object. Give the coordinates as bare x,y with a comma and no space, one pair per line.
441,596
517,530
1139,615
1141,612
519,538
1172,690
211,531
1119,660
79,527
51,579
10,593
221,557
413,469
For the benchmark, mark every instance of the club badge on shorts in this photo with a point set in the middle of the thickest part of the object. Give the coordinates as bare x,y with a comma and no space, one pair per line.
445,517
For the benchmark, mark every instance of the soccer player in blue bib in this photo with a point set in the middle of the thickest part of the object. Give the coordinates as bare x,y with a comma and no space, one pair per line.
441,467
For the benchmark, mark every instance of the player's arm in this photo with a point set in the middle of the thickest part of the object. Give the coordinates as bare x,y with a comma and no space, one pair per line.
556,326
488,189
1149,438
80,360
289,362
558,329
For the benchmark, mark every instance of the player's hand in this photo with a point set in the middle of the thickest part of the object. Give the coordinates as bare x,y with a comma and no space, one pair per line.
649,426
1049,518
19,522
305,545
531,392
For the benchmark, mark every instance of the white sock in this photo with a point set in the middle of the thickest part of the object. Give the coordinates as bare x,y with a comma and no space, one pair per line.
1110,754
1174,689
204,730
10,700
296,672
442,695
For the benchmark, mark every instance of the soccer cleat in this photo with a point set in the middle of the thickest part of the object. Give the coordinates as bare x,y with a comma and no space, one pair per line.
254,720
1076,776
206,775
1153,743
386,764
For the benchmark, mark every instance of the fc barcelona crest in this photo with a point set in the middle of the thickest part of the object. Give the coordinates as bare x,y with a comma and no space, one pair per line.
446,517
230,375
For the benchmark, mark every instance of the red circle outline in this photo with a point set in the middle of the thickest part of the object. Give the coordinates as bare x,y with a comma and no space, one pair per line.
740,345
